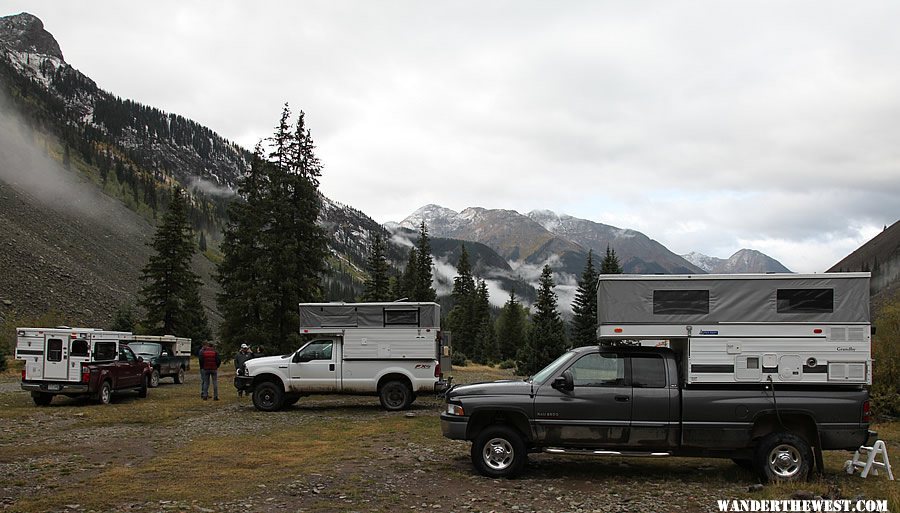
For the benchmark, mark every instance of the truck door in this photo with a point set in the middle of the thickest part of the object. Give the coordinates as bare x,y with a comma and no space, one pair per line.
314,368
128,372
596,413
56,357
651,421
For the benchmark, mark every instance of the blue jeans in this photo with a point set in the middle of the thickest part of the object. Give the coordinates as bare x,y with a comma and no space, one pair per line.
205,376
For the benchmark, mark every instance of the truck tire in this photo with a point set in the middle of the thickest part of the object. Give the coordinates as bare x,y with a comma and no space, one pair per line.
395,396
41,399
142,392
782,457
499,451
268,396
154,378
179,378
105,394
291,400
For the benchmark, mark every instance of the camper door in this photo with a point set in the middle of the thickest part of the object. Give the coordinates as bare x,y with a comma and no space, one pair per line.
56,357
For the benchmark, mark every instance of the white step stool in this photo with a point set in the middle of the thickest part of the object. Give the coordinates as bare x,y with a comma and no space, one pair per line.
870,464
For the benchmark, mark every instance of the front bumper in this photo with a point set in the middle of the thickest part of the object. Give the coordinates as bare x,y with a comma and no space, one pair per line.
454,426
244,383
55,388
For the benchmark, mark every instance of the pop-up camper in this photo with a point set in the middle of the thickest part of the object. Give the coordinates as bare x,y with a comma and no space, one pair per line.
744,328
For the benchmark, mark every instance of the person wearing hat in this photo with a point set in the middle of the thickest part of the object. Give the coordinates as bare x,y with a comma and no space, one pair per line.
240,359
209,370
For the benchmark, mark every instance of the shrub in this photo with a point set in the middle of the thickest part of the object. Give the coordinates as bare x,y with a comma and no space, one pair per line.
458,359
508,364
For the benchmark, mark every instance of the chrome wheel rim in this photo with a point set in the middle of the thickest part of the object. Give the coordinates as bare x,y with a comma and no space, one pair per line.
105,394
154,379
180,375
784,461
498,454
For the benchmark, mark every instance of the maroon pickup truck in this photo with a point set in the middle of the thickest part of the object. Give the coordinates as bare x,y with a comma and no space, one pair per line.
95,372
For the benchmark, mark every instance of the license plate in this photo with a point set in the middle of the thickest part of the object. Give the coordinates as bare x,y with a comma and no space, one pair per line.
52,387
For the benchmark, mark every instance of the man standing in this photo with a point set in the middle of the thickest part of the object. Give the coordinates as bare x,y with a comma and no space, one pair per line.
239,360
209,366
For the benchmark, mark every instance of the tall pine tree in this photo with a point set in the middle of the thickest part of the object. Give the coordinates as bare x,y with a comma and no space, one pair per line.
547,338
423,290
461,320
410,276
485,339
171,294
584,307
512,328
274,251
378,282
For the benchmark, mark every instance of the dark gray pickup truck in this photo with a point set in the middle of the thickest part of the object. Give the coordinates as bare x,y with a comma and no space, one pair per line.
628,401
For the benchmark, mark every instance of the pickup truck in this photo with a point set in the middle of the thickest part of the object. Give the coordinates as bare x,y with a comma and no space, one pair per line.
109,372
630,401
163,361
319,367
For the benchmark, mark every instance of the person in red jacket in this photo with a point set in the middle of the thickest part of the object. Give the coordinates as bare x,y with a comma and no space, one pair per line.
209,367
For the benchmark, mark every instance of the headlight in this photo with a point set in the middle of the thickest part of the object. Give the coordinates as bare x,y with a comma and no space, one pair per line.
455,409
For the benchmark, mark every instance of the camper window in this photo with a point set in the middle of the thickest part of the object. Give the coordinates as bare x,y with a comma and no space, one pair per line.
675,302
401,317
648,371
599,370
54,350
805,300
104,351
79,347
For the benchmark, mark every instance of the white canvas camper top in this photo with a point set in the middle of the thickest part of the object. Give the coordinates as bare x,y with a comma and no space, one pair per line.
377,331
736,328
57,353
180,345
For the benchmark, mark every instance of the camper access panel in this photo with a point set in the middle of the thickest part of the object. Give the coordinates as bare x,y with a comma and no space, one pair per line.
789,328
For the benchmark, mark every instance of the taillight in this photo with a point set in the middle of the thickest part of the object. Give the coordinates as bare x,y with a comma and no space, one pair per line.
23,374
85,376
867,412
437,370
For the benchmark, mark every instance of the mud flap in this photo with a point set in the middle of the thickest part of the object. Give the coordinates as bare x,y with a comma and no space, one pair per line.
817,454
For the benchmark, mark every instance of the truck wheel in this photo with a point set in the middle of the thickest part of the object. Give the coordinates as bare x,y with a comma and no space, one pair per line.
142,392
179,378
395,395
783,457
268,396
154,378
499,451
41,399
105,395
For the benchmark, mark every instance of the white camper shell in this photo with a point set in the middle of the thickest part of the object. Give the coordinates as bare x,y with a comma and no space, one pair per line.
745,328
180,346
377,331
56,354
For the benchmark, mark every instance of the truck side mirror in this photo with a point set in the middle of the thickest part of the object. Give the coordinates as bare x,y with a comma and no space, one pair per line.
565,382
140,358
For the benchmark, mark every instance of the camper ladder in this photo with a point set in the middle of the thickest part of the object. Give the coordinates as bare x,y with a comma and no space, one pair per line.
869,453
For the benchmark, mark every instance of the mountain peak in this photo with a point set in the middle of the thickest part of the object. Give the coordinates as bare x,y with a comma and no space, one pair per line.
742,261
25,33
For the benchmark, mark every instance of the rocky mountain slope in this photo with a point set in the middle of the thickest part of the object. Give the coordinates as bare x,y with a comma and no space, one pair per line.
881,257
742,261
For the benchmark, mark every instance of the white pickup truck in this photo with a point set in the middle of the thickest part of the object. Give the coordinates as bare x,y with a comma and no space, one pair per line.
391,350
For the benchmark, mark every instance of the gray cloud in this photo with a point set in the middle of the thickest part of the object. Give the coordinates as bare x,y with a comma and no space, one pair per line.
707,125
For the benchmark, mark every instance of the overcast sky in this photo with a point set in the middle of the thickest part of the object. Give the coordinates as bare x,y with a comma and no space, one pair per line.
709,126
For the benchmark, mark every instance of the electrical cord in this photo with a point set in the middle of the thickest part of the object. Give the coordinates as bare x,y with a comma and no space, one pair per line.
775,401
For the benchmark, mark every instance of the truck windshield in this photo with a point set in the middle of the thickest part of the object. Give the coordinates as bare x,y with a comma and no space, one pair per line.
145,348
549,370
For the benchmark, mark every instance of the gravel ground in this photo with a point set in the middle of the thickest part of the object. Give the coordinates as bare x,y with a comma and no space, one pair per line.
389,473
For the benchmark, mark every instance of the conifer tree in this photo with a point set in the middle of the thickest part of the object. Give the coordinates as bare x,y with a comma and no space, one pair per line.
423,290
378,282
171,294
584,306
610,264
410,276
547,338
511,328
274,251
124,319
485,349
460,320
